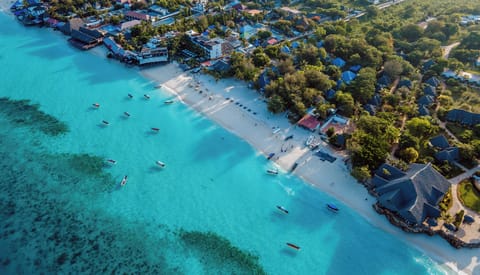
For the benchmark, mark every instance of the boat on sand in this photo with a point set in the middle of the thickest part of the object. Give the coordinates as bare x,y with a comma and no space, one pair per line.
272,172
332,207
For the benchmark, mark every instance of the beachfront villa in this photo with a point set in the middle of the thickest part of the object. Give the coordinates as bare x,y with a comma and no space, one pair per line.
463,117
212,47
413,195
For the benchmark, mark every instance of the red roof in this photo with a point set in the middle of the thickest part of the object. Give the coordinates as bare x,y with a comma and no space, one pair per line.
309,122
137,15
272,41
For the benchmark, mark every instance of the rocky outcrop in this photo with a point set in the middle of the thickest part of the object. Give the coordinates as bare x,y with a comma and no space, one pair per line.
395,220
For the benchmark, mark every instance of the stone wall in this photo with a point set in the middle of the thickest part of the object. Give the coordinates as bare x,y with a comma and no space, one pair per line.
395,220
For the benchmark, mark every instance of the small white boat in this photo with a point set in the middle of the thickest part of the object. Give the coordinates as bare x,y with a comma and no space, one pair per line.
105,122
160,164
276,130
281,208
310,139
168,101
332,207
127,114
272,171
96,105
124,181
111,161
146,96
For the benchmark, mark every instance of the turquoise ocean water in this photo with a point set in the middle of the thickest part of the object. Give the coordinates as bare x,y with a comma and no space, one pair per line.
211,211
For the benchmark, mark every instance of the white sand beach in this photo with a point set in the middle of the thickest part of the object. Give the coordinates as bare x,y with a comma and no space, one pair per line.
218,101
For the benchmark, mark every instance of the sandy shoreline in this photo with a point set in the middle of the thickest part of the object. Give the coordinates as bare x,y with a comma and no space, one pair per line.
332,178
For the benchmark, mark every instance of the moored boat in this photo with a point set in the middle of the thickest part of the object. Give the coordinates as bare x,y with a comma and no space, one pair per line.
294,246
294,167
276,130
130,96
127,114
111,161
309,141
96,105
146,96
105,122
332,207
281,208
155,129
160,164
124,181
168,101
272,171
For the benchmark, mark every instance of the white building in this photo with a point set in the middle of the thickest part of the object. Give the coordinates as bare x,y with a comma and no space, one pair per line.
212,47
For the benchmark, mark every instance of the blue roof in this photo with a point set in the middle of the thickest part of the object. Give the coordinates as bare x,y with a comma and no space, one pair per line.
423,111
450,154
338,62
330,94
463,117
429,90
376,100
370,109
348,76
320,44
295,44
355,68
285,49
384,80
339,83
440,141
263,80
405,83
433,81
414,195
426,100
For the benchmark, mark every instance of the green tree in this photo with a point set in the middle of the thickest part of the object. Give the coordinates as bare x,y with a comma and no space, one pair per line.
260,59
411,32
421,127
276,104
362,174
393,68
409,141
345,103
318,80
363,86
409,154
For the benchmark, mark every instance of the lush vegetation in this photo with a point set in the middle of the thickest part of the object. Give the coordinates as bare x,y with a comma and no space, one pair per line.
469,195
395,44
